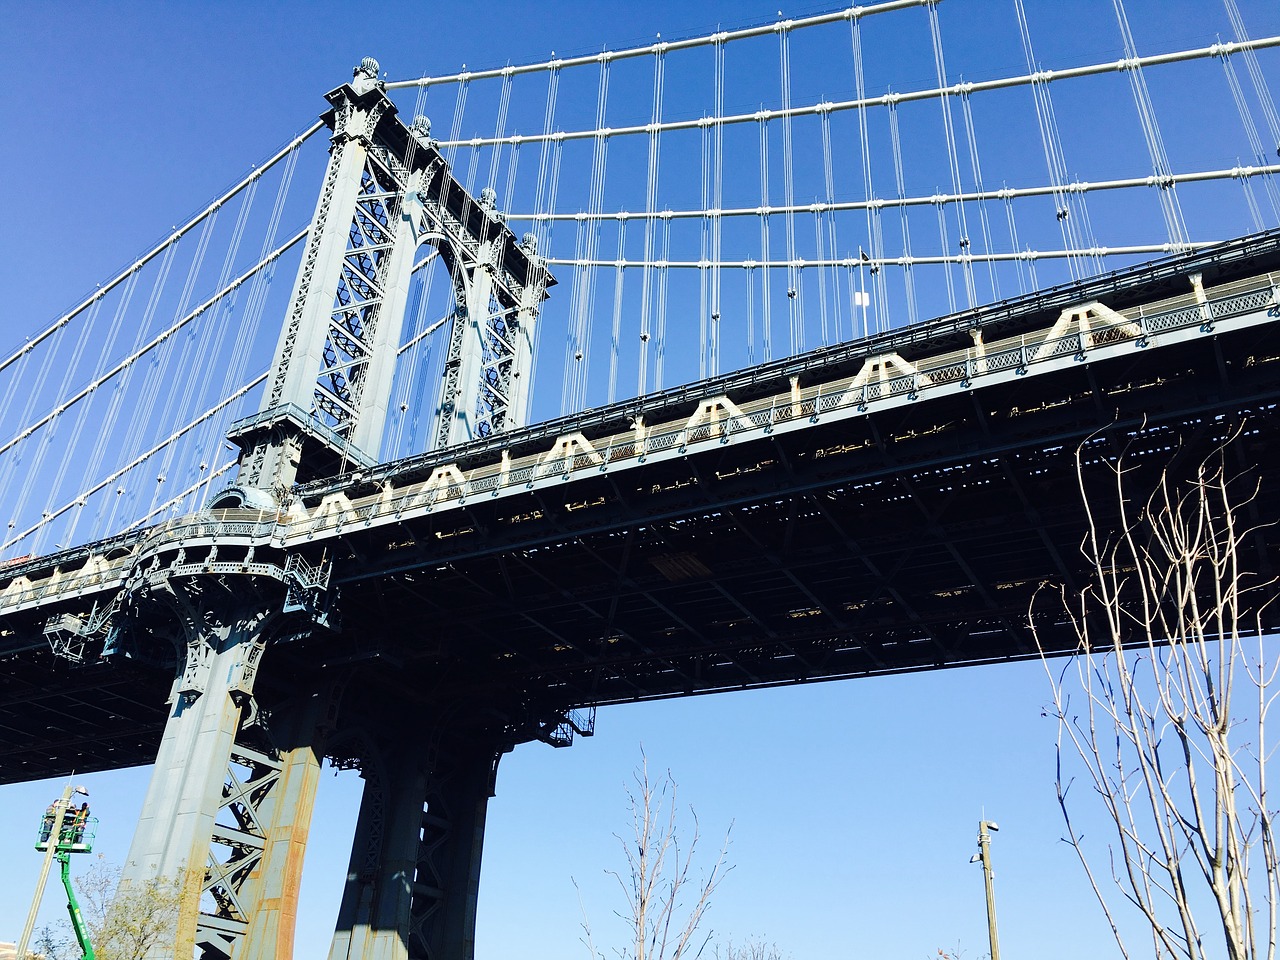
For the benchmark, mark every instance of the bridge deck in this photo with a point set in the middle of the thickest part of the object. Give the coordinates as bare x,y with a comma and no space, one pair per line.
892,509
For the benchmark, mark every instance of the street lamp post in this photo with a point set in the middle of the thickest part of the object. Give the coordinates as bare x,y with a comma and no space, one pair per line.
985,829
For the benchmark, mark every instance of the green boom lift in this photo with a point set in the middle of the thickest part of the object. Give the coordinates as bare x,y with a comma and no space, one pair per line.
64,830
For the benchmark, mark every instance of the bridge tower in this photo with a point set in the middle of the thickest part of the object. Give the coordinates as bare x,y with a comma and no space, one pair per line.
230,800
387,192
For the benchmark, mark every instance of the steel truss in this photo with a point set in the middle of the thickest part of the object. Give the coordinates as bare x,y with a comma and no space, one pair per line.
387,190
239,837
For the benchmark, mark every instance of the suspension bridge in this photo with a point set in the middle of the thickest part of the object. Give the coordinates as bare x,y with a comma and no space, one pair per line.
827,338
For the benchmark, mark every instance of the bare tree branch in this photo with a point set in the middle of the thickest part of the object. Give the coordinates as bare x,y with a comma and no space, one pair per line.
1176,759
666,897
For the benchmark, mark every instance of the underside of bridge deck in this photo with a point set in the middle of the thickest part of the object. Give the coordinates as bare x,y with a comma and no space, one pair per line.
902,541
908,538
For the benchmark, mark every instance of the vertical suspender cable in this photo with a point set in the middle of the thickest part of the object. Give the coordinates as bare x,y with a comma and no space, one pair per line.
766,327
178,385
70,368
473,165
1053,155
542,226
650,226
455,127
820,246
971,136
255,303
823,222
1261,90
1265,100
455,135
547,188
619,276
795,298
9,464
500,128
104,288
1014,243
35,391
717,203
875,233
513,165
1255,144
180,393
907,276
953,162
1151,133
944,244
599,175
704,250
41,441
827,239
219,321
660,340
450,153
107,435
420,101
582,297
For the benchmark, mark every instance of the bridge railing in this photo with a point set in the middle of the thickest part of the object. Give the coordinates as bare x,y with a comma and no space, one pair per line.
254,524
97,574
110,566
1017,355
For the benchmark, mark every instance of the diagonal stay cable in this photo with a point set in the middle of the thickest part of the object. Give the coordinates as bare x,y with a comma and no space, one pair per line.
158,249
153,343
84,495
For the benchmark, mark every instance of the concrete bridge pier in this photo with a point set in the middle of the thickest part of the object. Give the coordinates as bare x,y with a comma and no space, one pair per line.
415,862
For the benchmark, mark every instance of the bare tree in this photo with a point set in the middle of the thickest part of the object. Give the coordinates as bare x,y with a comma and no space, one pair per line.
123,923
666,897
753,948
1165,711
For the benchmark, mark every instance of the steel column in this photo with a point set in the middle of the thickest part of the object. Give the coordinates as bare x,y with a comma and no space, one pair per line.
272,890
415,864
458,412
331,378
386,191
188,785
522,336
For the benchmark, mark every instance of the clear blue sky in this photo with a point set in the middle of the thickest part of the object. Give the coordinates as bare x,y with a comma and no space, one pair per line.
854,804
